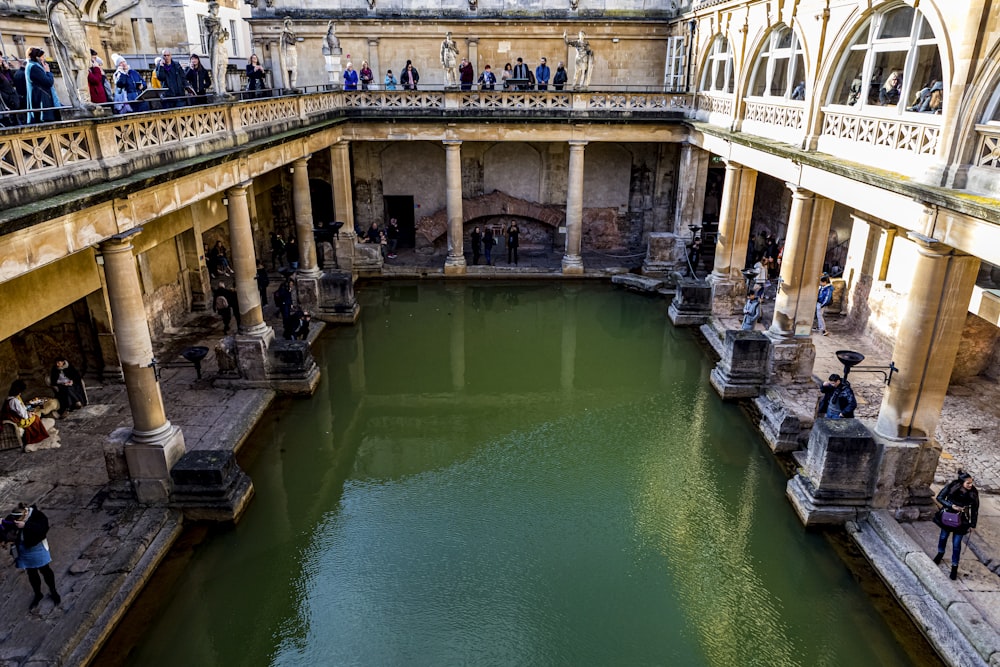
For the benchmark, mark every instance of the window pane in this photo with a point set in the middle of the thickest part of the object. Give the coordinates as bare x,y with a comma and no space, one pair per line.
729,75
897,23
785,40
887,78
848,89
925,29
720,75
779,82
799,77
757,82
926,73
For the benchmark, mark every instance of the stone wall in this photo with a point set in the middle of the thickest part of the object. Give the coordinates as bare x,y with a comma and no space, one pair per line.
628,188
977,351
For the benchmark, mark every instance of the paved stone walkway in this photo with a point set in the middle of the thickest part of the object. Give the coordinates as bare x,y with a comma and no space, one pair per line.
104,549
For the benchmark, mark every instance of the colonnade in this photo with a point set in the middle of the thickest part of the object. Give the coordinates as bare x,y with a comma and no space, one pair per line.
933,315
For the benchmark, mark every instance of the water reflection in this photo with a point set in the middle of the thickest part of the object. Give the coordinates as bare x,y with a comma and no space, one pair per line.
515,474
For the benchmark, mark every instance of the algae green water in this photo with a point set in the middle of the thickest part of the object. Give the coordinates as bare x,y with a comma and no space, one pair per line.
514,474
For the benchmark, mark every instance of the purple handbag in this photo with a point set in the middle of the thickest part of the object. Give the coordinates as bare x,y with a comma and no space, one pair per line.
951,519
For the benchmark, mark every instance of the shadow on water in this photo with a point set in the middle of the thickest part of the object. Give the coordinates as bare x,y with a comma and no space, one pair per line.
512,474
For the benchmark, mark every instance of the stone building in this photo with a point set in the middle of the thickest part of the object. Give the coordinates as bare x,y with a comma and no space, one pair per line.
819,123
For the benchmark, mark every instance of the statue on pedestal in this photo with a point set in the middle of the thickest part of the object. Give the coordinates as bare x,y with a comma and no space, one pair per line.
584,60
289,53
449,61
69,44
332,53
217,51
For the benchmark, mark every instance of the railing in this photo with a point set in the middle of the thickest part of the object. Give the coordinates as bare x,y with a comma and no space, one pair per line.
900,133
779,114
988,147
103,142
714,106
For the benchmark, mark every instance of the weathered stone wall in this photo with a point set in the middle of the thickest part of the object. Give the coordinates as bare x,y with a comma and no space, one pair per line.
627,187
977,349
772,204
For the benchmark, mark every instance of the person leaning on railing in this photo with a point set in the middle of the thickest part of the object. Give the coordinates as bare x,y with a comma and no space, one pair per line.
171,75
255,76
10,100
41,96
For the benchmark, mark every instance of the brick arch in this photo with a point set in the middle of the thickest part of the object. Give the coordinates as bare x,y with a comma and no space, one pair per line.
433,229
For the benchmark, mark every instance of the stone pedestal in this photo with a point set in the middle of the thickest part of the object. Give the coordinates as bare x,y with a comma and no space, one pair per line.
367,259
210,486
905,473
343,252
665,254
292,369
149,458
781,427
728,296
286,366
742,370
792,359
337,302
834,483
307,291
692,304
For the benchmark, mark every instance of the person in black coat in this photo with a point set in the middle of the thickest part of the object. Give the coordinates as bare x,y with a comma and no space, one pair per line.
198,80
513,241
960,497
263,280
33,555
68,385
171,75
255,76
476,237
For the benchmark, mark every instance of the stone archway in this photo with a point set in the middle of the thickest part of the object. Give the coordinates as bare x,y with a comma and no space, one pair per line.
539,223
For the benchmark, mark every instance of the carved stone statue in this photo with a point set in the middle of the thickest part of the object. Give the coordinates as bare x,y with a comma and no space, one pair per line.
449,60
217,51
289,53
584,60
69,42
331,43
371,4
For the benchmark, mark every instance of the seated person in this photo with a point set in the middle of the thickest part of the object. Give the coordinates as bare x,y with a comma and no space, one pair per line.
68,385
14,410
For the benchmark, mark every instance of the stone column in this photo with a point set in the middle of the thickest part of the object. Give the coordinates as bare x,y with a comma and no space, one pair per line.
795,304
343,204
934,316
728,285
155,444
474,54
251,315
307,280
454,264
862,268
692,174
572,262
277,66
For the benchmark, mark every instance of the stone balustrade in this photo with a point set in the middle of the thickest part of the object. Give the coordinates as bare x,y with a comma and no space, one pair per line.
988,146
110,147
880,139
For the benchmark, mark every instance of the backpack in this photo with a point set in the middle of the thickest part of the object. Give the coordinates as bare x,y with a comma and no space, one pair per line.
221,302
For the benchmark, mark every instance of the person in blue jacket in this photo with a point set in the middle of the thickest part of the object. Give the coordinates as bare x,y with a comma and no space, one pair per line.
823,299
542,74
350,78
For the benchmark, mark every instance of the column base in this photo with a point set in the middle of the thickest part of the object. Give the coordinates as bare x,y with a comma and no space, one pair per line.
264,362
210,486
905,472
149,462
692,304
454,266
572,265
728,296
792,358
741,371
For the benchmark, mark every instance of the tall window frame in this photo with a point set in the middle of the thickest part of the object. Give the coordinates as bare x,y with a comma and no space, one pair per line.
675,73
780,66
718,75
894,39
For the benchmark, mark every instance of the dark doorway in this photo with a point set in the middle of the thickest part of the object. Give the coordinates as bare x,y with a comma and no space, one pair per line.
321,197
401,208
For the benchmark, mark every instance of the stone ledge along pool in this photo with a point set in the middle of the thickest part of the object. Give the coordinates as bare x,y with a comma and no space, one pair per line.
511,474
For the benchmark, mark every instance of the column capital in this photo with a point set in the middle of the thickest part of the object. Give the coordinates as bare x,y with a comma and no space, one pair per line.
452,143
341,143
799,191
120,242
577,143
931,246
239,190
732,164
373,41
302,162
472,40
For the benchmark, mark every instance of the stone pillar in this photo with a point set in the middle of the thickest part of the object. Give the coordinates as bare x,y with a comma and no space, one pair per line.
454,264
277,65
742,370
307,280
692,175
474,54
728,285
572,262
155,444
795,304
343,204
251,315
867,237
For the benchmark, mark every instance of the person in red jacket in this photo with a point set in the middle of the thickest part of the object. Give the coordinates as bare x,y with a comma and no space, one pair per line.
96,80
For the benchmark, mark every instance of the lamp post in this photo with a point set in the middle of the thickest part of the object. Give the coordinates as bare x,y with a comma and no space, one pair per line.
851,359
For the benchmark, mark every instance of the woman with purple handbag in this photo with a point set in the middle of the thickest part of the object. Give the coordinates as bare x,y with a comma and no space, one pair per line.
958,515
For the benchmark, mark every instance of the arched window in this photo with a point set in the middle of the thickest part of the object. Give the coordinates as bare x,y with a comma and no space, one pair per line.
718,74
780,68
893,61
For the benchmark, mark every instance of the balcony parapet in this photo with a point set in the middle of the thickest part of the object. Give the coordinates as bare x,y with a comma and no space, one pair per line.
37,161
902,143
714,108
984,173
783,121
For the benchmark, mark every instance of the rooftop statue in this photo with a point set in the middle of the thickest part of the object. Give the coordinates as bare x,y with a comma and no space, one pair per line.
217,50
69,41
584,60
288,54
449,60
